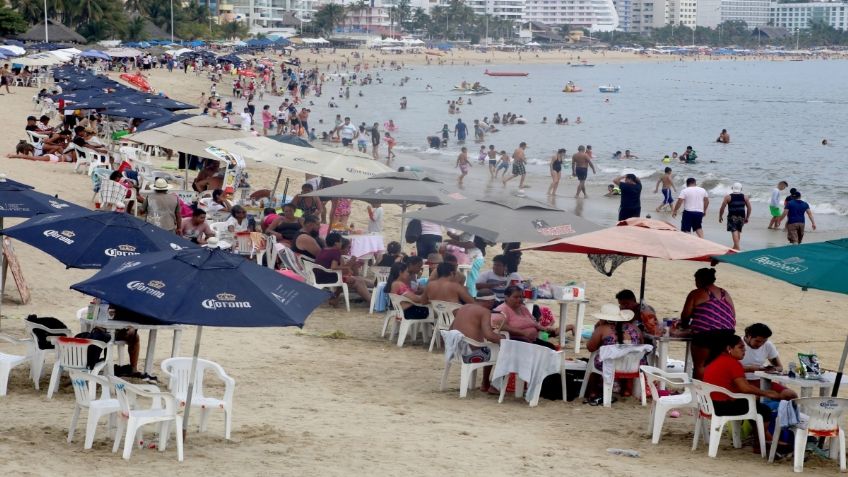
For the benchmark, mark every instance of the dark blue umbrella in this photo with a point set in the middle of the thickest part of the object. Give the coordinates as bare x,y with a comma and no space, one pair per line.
162,121
20,200
88,239
137,112
290,139
203,287
14,43
96,54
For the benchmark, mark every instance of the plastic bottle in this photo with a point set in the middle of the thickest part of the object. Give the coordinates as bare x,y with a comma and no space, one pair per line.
89,314
624,452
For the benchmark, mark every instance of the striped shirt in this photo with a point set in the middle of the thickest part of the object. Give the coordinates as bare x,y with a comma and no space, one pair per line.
713,314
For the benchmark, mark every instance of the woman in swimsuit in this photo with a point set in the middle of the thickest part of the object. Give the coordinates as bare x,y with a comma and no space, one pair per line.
398,283
309,205
710,316
556,171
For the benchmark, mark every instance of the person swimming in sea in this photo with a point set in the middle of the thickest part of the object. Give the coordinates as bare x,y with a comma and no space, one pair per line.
723,137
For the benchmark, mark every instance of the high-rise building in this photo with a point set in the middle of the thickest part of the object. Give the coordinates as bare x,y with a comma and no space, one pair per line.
798,16
754,13
645,15
595,15
506,9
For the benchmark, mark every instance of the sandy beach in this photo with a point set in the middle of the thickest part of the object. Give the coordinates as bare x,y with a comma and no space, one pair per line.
336,399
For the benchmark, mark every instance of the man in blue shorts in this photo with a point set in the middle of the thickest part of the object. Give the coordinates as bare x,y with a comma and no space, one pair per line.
695,201
460,130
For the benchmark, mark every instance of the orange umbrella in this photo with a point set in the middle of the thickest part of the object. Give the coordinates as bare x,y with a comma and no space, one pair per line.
638,237
247,73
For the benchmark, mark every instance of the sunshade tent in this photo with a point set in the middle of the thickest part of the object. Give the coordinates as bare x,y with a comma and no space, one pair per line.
307,160
123,52
404,188
140,112
637,237
819,265
89,239
190,136
203,287
506,219
40,59
96,54
14,50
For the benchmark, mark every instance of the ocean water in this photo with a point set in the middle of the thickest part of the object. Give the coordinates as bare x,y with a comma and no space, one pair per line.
777,114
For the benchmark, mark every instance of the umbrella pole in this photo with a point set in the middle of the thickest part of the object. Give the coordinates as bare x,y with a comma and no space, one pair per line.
403,221
642,283
276,183
191,379
3,264
838,380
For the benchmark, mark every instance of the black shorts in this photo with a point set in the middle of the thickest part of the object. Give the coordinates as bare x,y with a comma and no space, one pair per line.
416,312
735,224
629,212
581,172
347,142
691,221
737,407
281,122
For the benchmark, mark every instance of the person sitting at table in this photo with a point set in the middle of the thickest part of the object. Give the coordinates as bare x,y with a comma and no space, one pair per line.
710,316
195,228
398,284
393,254
644,315
475,323
497,279
216,203
285,226
450,259
129,335
444,286
269,214
760,355
518,321
238,221
307,241
331,258
415,264
614,326
309,205
725,370
433,261
211,177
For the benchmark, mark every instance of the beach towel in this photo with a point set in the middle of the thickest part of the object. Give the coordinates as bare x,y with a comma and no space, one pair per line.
531,362
609,353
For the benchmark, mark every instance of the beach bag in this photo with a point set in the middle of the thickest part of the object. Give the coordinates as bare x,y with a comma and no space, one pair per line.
413,231
95,354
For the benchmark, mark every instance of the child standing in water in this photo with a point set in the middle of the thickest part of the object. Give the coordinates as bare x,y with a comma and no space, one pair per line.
463,164
667,181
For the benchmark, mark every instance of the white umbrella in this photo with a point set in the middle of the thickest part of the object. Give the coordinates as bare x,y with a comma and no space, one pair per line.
38,60
123,52
308,160
14,49
64,56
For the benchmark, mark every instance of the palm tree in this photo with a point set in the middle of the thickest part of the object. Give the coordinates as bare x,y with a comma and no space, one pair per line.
328,17
31,10
135,30
231,30
138,6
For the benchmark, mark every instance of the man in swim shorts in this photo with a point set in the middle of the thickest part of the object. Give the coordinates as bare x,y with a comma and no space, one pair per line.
695,201
474,321
775,207
580,164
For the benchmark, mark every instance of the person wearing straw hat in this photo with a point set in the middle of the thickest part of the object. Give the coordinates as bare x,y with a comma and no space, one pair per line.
162,208
615,326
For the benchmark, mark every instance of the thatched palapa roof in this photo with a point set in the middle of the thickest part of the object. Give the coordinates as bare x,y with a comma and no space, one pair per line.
57,33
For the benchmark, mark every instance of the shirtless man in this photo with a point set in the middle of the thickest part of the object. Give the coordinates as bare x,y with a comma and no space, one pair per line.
463,164
445,287
209,178
518,165
580,164
667,181
475,322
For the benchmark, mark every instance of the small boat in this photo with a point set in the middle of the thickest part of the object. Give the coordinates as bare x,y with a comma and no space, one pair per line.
608,88
587,65
138,80
504,73
571,88
475,92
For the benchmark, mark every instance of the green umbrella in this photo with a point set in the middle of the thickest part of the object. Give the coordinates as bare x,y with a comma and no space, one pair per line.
819,265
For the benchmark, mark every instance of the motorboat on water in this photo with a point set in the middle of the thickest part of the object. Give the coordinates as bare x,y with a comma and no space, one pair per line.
608,88
571,88
504,73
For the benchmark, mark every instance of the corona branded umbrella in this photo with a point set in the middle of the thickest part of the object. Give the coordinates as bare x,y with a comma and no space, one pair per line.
203,287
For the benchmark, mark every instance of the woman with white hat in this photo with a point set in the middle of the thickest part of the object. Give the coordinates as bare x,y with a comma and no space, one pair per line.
615,326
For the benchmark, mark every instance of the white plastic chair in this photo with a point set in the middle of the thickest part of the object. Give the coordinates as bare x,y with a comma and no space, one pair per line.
72,353
37,354
381,274
443,319
405,325
178,370
10,361
824,414
85,392
97,160
311,267
221,231
468,371
661,405
626,367
132,417
36,141
291,262
706,411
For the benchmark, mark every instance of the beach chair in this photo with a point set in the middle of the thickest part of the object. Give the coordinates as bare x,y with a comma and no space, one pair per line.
38,354
662,404
290,261
8,362
824,414
36,141
85,393
625,367
72,354
381,274
467,371
178,370
403,326
706,411
162,411
443,311
531,364
311,267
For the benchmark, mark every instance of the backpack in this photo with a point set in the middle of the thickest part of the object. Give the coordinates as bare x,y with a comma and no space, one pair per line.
95,354
413,231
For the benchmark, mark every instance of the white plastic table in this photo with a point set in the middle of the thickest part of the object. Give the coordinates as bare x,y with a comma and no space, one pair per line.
362,245
578,321
152,331
806,385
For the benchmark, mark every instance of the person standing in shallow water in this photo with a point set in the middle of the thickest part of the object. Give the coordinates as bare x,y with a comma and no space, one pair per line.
556,171
518,165
580,164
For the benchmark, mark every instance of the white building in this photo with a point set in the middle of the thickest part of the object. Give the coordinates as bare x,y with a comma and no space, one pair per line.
265,15
755,13
645,15
797,16
506,9
595,15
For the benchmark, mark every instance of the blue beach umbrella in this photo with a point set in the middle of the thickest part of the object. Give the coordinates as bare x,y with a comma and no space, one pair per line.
161,121
89,239
20,200
139,112
96,54
203,287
